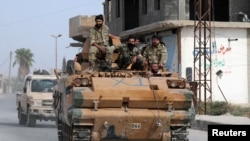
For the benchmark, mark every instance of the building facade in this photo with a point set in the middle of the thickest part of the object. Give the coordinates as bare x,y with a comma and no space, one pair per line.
122,15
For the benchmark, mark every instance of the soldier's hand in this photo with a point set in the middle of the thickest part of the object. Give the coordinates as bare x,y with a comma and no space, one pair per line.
145,66
116,37
161,66
134,59
145,63
102,49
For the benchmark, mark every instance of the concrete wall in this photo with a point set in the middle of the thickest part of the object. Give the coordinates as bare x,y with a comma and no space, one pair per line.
151,15
115,24
230,57
169,10
79,27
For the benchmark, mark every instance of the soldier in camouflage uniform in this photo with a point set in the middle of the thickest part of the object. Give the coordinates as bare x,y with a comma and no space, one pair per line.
155,53
129,55
99,41
154,70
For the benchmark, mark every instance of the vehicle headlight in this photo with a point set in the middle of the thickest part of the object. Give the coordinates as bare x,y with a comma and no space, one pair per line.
37,102
176,84
85,82
173,84
182,84
78,82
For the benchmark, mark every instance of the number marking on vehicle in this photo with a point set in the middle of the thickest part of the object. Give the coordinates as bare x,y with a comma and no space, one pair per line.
136,126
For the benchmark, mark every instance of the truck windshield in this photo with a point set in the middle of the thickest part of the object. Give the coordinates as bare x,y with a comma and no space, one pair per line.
43,85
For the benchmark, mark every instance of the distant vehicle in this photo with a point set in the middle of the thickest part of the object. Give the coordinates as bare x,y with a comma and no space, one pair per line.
35,101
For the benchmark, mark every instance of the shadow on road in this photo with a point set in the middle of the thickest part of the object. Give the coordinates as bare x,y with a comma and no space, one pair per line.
38,125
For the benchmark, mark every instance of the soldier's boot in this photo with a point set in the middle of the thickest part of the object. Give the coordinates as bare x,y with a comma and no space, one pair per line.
109,66
105,66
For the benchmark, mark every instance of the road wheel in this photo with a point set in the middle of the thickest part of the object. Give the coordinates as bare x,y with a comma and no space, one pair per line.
31,121
21,117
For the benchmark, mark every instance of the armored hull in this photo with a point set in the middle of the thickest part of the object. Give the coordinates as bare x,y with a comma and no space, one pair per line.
123,106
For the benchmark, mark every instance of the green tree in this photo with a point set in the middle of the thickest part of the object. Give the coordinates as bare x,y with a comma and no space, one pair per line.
64,65
24,58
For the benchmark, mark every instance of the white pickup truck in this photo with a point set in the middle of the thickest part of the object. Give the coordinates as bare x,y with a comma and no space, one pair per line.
35,102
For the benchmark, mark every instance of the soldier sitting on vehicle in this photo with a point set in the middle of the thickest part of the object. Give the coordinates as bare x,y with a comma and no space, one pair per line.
129,56
154,70
99,43
155,53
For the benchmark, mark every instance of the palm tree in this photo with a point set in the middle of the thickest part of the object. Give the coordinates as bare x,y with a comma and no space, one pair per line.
24,58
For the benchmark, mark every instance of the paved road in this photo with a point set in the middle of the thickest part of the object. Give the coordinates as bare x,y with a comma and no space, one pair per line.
202,121
10,130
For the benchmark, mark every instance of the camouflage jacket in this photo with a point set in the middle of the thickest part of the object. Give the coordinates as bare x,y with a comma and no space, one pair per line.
99,37
123,49
156,54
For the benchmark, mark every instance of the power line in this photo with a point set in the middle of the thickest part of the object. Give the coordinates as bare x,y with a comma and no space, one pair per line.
45,15
4,61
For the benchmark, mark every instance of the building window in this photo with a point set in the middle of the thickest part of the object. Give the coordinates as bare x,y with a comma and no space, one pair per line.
157,4
144,7
118,14
109,10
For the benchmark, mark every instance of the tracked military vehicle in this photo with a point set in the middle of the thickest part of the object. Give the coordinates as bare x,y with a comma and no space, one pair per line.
122,105
119,104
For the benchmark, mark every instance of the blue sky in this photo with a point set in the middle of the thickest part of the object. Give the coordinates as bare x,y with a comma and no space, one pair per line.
30,24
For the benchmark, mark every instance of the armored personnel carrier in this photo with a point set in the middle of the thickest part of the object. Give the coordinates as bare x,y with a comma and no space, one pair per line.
119,104
122,105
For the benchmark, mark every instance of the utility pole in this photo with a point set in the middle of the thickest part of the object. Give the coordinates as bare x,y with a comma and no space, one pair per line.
8,90
202,48
59,35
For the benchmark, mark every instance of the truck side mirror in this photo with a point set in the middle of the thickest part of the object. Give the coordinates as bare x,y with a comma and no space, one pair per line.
70,67
189,74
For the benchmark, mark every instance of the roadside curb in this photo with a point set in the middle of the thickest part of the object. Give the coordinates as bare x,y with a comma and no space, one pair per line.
202,125
201,122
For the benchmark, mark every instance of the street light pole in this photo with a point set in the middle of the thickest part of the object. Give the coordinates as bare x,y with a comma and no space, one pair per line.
9,87
59,35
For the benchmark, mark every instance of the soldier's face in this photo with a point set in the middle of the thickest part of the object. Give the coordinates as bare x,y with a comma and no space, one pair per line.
154,68
137,42
131,42
98,23
155,41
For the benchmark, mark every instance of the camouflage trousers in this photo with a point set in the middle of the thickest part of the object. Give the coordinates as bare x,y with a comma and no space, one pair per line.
124,61
94,52
104,60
